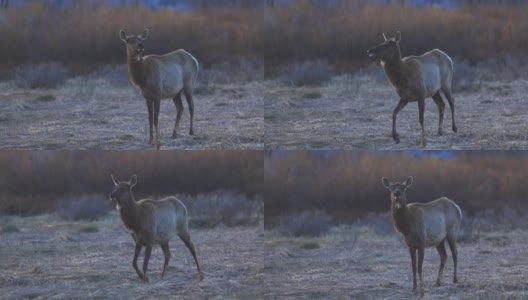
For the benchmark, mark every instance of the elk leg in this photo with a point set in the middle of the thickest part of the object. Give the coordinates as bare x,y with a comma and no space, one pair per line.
452,245
399,107
151,118
443,257
184,236
148,250
420,263
179,110
451,101
421,111
413,263
189,97
166,253
441,106
134,262
156,115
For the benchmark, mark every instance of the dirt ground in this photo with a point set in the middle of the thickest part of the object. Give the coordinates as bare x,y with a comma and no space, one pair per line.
356,113
357,262
53,259
93,114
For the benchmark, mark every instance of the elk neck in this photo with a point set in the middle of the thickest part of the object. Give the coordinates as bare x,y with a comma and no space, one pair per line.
395,69
401,217
130,214
136,69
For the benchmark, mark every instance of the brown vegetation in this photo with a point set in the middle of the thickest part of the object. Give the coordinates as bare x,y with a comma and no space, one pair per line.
35,181
343,32
85,36
347,184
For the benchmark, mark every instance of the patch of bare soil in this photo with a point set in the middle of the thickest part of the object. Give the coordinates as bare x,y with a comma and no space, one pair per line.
356,113
51,258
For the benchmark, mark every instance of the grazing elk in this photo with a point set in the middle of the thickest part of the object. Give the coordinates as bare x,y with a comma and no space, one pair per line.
158,77
423,225
415,78
151,222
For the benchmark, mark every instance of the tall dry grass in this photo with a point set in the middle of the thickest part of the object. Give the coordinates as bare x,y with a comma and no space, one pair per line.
347,185
341,33
84,34
35,181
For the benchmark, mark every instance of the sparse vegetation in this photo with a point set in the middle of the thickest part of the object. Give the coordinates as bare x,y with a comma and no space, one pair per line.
223,207
69,33
307,74
83,207
45,98
40,76
312,95
347,185
55,259
310,245
311,224
76,183
9,229
89,229
342,31
379,262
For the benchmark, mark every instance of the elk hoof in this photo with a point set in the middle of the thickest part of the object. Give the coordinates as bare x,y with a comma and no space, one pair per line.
191,132
437,283
440,132
455,129
396,138
174,135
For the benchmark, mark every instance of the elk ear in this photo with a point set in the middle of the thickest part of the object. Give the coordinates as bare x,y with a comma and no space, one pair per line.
133,181
408,182
385,182
123,36
144,34
113,179
384,36
398,37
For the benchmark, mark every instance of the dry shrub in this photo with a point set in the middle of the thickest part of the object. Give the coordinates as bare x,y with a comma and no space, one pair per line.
83,207
223,207
343,31
40,76
34,181
347,185
308,223
307,74
86,34
115,75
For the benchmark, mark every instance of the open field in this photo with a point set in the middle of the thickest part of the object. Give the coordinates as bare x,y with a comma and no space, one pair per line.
354,112
51,258
93,114
366,262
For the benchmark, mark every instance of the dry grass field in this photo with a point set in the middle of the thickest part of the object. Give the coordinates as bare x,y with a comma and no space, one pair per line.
45,257
94,114
355,112
370,261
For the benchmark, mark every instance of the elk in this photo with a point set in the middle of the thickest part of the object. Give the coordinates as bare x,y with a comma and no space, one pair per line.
158,77
415,78
151,222
423,225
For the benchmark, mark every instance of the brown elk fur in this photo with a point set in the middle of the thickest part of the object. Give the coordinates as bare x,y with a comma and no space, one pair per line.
158,77
151,222
415,78
424,225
